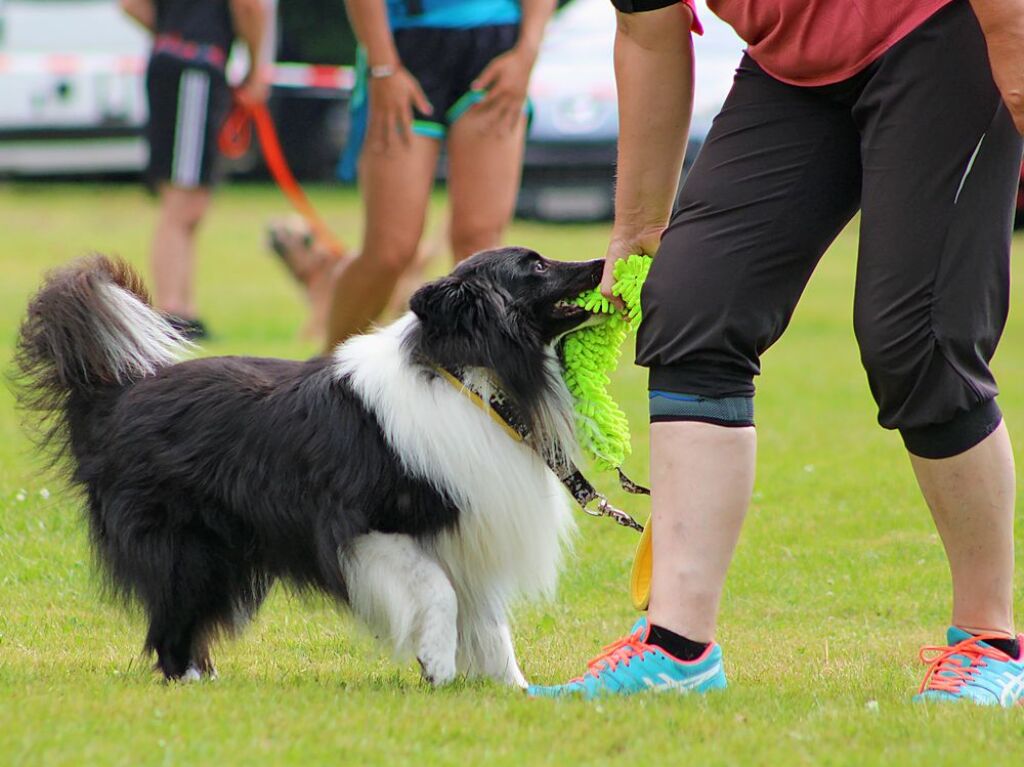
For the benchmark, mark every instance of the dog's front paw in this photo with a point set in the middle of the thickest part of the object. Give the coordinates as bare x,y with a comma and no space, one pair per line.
196,673
515,678
191,675
437,671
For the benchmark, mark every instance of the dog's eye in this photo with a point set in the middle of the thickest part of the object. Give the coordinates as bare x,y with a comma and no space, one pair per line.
539,267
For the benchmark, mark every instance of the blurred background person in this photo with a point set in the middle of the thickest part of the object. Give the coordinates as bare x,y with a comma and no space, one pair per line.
188,98
428,71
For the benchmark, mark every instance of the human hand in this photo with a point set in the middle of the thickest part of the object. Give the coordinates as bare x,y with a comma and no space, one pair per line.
505,81
255,88
1003,25
392,101
623,244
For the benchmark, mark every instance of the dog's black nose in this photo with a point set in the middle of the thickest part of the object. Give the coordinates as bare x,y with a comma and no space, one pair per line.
595,270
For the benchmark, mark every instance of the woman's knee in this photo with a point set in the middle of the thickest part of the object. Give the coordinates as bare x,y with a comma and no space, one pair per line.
936,389
885,349
696,339
185,208
469,237
389,257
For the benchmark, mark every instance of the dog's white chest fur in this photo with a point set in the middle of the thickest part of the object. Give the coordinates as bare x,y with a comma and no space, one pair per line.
514,516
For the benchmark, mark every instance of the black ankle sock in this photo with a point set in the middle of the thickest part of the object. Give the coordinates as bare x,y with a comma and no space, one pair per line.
1009,646
674,644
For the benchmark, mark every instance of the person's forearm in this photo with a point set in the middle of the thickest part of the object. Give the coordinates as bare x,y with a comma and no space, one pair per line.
993,14
249,17
143,11
1002,22
370,23
536,14
654,75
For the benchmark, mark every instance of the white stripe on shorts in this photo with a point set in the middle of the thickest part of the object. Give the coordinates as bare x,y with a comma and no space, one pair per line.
190,128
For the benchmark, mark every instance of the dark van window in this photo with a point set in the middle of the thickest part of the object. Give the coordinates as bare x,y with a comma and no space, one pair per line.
315,32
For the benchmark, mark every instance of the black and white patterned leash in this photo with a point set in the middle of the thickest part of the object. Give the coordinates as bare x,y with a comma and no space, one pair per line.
581,489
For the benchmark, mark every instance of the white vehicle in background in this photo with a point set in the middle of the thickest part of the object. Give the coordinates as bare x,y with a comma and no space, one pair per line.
72,88
73,94
73,102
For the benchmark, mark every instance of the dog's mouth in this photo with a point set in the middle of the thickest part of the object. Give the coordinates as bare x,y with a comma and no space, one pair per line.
559,310
566,309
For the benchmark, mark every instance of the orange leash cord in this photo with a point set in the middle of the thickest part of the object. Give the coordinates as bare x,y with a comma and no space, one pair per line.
234,141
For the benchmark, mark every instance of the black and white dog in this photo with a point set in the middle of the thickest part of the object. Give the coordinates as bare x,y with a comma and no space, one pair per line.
365,474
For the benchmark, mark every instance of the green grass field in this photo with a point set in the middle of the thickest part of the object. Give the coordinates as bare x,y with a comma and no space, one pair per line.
838,579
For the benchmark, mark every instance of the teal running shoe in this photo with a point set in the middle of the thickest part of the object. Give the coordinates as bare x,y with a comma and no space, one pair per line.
630,665
970,669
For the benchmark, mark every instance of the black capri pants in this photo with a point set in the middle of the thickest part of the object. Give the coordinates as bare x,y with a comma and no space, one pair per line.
921,142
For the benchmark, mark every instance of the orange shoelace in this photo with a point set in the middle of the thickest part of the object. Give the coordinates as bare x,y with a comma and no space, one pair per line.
619,651
947,673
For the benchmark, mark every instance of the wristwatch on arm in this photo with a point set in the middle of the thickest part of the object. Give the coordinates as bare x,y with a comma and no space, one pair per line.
381,71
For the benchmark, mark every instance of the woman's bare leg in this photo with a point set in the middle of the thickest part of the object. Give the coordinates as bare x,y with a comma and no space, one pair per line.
702,477
971,497
484,168
432,248
396,186
173,250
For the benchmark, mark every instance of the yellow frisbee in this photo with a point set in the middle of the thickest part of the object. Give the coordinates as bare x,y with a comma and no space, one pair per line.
640,577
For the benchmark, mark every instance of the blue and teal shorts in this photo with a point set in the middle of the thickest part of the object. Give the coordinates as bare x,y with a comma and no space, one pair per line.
445,61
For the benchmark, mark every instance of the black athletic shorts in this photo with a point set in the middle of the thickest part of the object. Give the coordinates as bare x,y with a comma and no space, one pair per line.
920,142
446,62
188,102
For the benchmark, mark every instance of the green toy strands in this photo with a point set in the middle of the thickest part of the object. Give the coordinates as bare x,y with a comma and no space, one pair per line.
592,353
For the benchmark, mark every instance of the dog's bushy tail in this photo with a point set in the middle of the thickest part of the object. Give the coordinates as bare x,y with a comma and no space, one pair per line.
90,327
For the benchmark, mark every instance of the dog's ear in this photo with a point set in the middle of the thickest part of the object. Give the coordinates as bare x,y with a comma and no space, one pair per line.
462,321
467,324
444,304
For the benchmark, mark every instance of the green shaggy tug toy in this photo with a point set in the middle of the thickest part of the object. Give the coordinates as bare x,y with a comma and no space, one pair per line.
592,353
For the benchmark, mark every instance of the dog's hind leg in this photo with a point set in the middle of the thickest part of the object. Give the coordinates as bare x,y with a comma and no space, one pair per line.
249,598
485,645
404,595
191,594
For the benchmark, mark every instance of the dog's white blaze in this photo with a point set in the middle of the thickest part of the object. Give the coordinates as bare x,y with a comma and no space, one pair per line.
514,519
135,339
